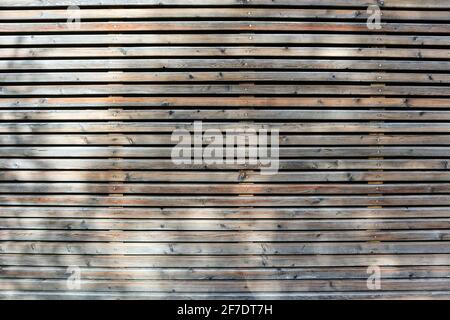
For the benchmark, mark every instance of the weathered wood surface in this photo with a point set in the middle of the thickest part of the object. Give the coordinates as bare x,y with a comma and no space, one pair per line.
237,38
337,3
226,213
223,249
218,26
226,236
231,189
242,102
225,51
285,140
86,178
221,63
242,176
226,274
238,12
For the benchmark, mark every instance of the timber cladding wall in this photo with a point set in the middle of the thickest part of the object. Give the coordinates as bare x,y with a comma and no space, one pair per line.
88,107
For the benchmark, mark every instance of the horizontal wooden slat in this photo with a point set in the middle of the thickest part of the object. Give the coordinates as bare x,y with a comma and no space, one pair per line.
217,201
230,63
82,295
188,225
284,164
224,249
180,188
166,152
238,38
224,236
166,139
223,176
338,3
62,90
229,261
225,51
229,13
221,114
304,127
431,78
281,26
225,286
225,213
91,273
254,102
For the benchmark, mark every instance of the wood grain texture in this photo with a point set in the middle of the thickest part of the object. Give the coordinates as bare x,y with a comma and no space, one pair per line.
338,3
87,112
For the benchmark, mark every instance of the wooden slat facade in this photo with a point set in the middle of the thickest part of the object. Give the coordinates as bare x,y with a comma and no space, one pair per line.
87,181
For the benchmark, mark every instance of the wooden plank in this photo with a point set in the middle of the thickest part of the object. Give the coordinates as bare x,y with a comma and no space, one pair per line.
225,213
380,295
221,114
225,38
207,225
180,188
216,89
304,127
156,261
225,286
230,201
232,176
221,63
333,3
222,249
86,13
166,139
281,26
231,236
221,51
166,152
284,164
224,76
253,102
90,273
